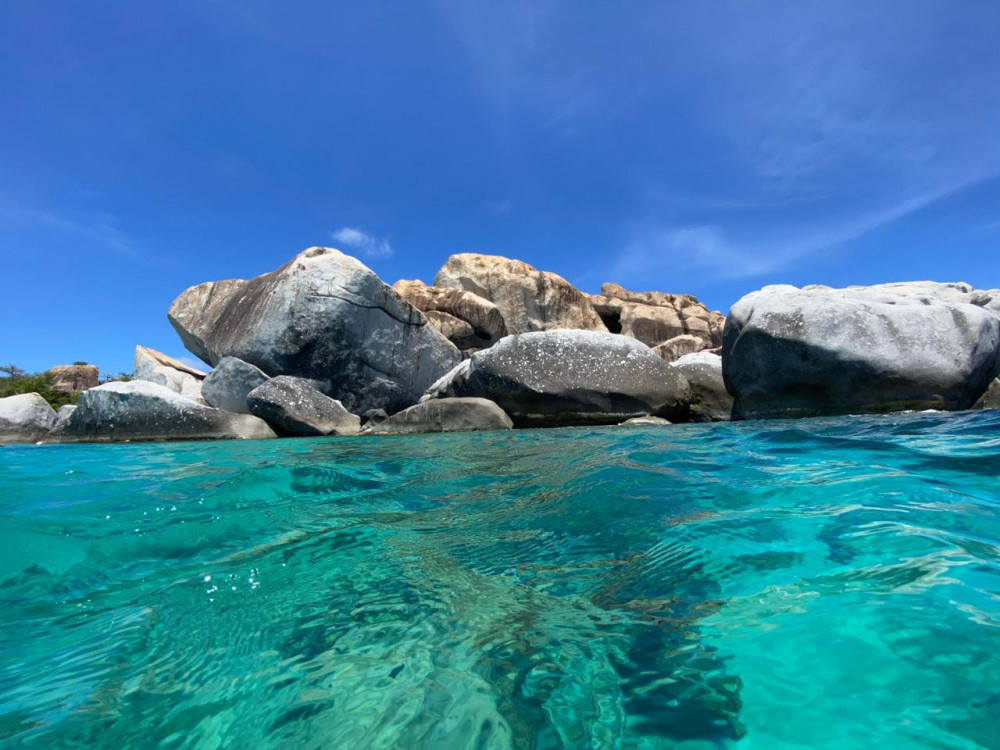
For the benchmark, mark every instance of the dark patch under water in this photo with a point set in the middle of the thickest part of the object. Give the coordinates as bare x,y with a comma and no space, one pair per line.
829,583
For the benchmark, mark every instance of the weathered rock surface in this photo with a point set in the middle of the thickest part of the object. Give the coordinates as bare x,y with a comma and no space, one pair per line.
710,401
25,418
62,414
569,377
799,352
373,417
646,421
466,319
74,378
990,399
293,407
678,346
141,410
655,318
445,415
157,367
323,315
229,383
528,299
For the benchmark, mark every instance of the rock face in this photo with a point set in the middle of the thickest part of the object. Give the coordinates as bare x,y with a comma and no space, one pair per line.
563,377
528,299
466,319
74,378
62,415
293,407
323,315
445,415
25,418
140,410
710,401
157,367
678,346
800,352
990,399
656,318
229,383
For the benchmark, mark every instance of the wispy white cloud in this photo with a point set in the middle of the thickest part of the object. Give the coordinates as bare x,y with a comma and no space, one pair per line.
100,228
355,239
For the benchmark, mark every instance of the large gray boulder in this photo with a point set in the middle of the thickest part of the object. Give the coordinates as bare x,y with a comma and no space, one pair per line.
293,407
444,415
710,401
323,315
990,399
229,383
140,410
551,378
800,352
156,367
528,299
25,418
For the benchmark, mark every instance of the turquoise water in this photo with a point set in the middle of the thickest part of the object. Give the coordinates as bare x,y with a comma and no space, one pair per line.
830,583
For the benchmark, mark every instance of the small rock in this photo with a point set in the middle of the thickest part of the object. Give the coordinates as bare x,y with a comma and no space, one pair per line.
646,421
293,407
445,415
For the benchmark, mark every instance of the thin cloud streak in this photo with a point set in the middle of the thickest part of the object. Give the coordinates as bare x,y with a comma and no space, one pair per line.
360,241
99,228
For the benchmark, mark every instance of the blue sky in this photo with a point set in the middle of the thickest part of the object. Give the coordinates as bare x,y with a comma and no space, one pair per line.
696,147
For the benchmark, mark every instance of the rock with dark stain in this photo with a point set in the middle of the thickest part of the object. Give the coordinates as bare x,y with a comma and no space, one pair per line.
293,407
323,315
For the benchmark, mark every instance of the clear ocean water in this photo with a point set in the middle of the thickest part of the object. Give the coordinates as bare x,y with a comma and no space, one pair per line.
828,583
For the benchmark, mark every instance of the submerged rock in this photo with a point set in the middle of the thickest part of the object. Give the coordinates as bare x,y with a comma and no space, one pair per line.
293,407
140,410
157,367
445,415
799,352
229,383
645,421
553,378
323,315
528,299
466,319
710,401
25,418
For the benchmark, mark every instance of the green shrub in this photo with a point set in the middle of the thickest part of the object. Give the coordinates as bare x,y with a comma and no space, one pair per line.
18,381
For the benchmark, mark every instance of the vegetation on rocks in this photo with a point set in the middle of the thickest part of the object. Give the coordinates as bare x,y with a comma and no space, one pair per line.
15,381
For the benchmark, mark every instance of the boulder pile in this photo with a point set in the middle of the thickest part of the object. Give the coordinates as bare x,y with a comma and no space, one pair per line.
323,347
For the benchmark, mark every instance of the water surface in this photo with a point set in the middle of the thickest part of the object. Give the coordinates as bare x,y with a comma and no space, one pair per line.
829,583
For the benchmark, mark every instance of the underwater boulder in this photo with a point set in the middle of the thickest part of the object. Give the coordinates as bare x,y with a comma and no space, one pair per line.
323,315
790,352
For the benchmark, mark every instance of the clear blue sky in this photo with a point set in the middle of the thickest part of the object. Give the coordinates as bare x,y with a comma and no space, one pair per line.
702,147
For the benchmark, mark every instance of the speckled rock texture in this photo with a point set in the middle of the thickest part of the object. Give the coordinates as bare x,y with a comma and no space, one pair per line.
293,407
229,383
445,415
564,377
323,315
528,299
25,418
140,410
710,401
157,367
790,352
655,318
469,321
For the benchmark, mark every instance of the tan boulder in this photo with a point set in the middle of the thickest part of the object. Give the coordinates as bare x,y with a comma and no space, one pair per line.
74,378
656,317
529,299
466,319
678,346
